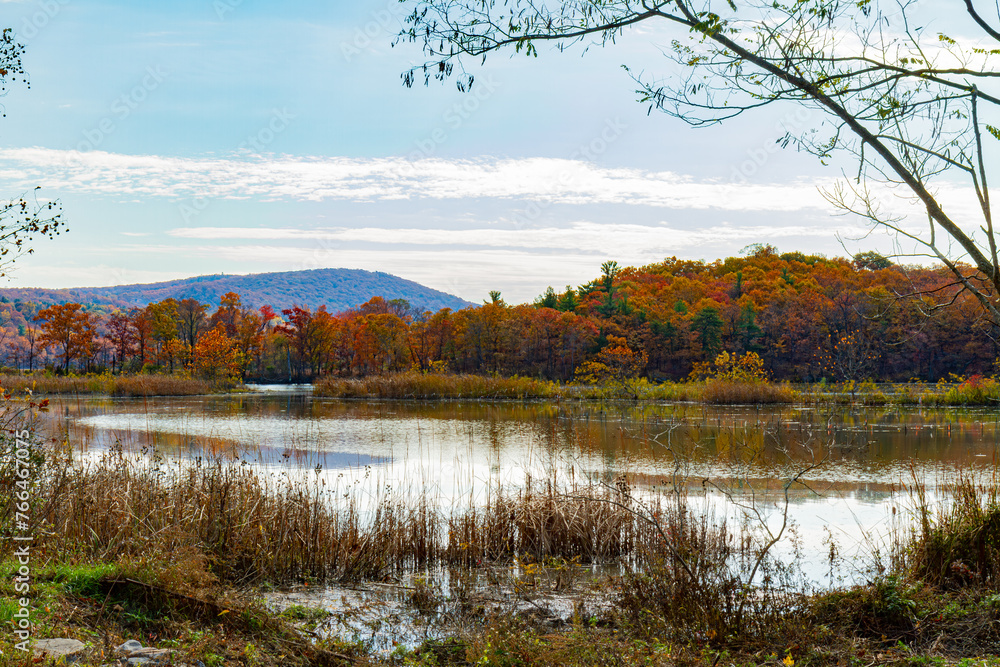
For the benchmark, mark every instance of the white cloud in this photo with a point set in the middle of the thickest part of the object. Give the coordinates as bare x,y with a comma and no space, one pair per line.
581,237
338,178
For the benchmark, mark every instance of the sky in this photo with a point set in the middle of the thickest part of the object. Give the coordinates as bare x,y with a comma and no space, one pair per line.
236,136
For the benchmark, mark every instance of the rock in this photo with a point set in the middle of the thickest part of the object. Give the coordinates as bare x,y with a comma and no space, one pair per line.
156,656
128,647
66,650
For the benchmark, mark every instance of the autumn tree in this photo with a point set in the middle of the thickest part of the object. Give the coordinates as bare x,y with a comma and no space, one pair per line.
432,339
216,359
191,316
163,327
324,333
380,343
122,336
28,312
243,324
907,106
313,336
69,329
228,313
142,326
482,334
616,366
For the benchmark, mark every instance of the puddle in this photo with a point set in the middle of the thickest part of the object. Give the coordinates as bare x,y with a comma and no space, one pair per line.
448,603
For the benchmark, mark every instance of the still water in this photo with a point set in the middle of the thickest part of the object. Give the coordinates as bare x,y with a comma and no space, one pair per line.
860,460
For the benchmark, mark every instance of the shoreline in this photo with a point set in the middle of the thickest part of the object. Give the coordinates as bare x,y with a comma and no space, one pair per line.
432,387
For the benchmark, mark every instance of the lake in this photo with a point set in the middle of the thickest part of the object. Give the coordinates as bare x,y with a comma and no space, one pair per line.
456,451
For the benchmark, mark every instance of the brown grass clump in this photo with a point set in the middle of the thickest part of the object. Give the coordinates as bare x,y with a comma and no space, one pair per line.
251,526
958,545
723,391
589,524
113,385
254,526
415,385
158,385
706,584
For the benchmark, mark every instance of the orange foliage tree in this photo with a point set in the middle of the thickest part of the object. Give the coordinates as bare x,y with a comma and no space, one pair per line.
216,358
69,329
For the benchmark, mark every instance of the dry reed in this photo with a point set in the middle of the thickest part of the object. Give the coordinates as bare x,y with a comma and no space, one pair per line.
435,386
255,526
957,543
731,392
590,524
114,385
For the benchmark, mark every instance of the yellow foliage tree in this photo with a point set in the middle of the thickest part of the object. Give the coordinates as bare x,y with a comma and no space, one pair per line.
748,367
617,367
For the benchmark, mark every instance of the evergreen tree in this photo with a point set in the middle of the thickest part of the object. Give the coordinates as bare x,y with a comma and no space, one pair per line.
708,324
568,301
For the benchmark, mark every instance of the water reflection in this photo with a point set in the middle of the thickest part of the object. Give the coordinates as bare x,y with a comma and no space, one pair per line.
457,451
862,447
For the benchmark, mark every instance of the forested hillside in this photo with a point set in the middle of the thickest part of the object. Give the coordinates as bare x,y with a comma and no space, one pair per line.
808,317
337,289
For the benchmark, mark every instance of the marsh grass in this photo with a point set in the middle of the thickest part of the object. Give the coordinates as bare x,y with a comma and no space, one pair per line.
585,524
188,527
432,386
112,385
172,602
255,526
957,543
689,572
414,385
732,392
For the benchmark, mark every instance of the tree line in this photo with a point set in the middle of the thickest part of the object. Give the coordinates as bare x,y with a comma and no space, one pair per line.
807,317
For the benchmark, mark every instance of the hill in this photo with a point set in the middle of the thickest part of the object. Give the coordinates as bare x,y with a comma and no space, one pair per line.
338,289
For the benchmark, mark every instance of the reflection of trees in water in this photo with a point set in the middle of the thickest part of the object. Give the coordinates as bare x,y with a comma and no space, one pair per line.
616,436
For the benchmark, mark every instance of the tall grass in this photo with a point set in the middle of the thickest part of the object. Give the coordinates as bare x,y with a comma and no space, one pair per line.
255,526
433,386
732,392
691,572
113,385
958,542
413,385
973,391
589,524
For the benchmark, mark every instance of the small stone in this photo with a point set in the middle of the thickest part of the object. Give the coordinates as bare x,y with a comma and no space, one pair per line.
154,655
128,647
66,650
